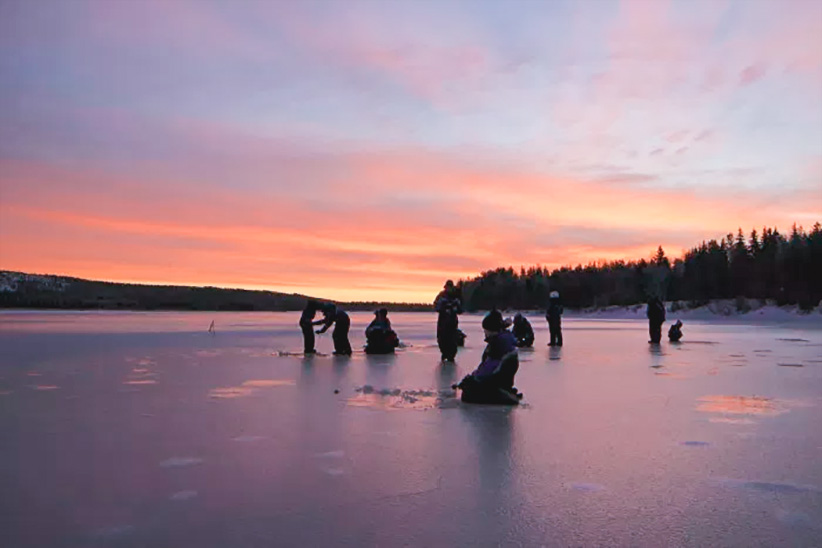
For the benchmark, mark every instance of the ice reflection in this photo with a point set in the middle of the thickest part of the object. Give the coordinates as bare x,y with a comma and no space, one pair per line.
396,399
741,405
247,388
141,375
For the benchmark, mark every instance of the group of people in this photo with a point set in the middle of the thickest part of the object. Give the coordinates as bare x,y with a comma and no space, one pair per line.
493,380
448,305
380,338
656,317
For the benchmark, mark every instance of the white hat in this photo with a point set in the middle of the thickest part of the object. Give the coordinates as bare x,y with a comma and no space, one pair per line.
554,294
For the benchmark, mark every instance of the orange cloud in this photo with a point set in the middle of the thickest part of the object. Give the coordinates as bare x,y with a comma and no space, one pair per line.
468,220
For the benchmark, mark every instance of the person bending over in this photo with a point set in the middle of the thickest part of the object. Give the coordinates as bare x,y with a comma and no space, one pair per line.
332,314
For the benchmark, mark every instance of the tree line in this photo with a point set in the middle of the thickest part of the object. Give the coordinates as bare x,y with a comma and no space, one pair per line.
764,265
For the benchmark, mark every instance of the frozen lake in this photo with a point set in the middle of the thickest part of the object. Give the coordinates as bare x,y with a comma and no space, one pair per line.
142,429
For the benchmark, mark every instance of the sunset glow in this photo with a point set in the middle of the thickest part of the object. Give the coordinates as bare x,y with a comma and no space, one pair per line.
370,150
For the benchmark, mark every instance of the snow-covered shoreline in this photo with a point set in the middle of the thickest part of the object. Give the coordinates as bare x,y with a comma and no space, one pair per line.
730,310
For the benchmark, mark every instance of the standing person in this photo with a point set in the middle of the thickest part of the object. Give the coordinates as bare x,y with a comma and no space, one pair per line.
522,331
554,317
656,317
307,326
379,337
448,305
332,314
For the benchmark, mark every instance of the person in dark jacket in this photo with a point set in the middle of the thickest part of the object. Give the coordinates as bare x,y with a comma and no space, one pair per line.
448,305
675,332
379,337
656,317
333,315
554,317
493,380
307,326
522,331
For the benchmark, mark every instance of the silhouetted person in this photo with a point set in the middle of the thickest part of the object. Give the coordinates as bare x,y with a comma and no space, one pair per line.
448,304
379,337
307,326
656,317
675,332
522,331
554,317
336,316
493,380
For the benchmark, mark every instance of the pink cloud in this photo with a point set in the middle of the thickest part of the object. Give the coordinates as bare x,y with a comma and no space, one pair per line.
751,74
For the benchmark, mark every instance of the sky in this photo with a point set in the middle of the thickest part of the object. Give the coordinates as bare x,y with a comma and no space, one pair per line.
370,150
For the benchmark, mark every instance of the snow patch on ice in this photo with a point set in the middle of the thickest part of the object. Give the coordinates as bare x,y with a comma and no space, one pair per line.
183,495
247,388
333,471
179,462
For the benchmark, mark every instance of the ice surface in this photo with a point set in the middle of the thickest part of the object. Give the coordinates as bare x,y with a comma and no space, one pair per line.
162,434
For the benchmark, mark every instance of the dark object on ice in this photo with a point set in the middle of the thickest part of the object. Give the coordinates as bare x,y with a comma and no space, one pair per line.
448,305
336,316
675,332
307,326
460,337
336,391
379,337
493,381
522,331
656,317
554,317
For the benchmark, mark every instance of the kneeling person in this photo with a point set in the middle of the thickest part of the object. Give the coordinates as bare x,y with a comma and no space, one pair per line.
379,337
493,380
675,332
522,331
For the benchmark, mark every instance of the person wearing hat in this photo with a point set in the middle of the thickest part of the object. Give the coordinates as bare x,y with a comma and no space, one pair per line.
448,305
554,317
379,337
333,315
522,331
675,332
493,380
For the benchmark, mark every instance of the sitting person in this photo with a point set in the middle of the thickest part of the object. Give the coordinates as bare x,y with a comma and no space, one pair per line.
675,332
493,380
379,337
522,331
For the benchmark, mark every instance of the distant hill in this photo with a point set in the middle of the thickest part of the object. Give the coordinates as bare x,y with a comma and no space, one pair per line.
22,290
